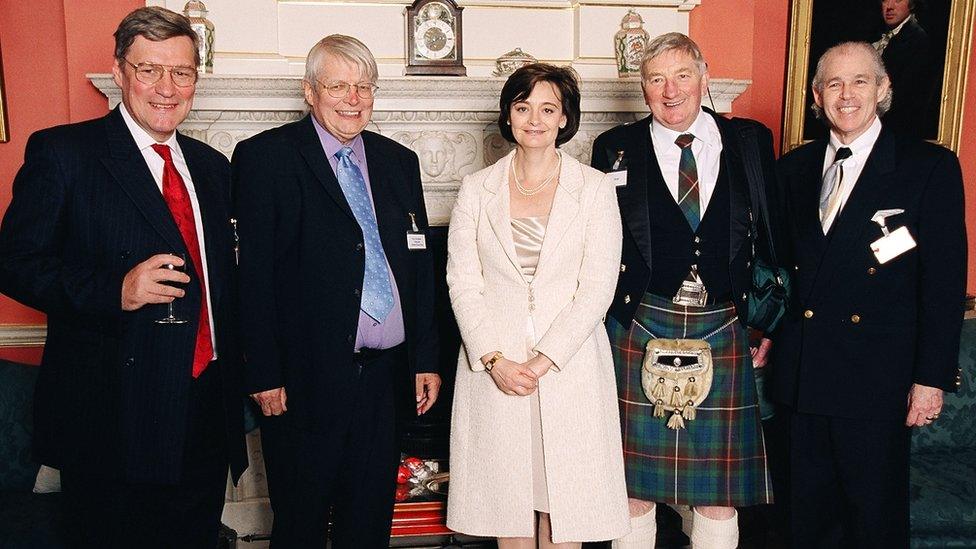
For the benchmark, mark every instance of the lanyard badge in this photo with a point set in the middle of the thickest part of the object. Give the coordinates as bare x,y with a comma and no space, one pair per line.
416,240
893,243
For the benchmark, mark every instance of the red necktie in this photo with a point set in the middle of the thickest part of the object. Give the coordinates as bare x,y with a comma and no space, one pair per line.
178,200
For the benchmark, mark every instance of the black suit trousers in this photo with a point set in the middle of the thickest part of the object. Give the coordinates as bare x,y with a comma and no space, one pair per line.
347,475
849,482
108,513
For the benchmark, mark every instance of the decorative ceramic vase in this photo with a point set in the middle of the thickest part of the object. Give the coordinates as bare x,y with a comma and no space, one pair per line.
512,61
629,44
196,12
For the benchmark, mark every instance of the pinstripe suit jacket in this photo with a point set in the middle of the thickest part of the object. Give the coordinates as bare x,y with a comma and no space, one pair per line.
113,388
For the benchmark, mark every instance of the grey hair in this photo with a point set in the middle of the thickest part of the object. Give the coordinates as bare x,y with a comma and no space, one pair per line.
880,74
673,41
345,47
156,24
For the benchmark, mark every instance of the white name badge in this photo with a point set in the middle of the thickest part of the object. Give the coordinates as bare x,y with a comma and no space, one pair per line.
416,241
892,245
619,179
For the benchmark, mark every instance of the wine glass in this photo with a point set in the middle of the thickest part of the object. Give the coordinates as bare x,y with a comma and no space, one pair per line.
170,318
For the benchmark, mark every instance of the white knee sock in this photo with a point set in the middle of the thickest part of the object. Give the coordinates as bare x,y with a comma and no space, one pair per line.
709,533
643,532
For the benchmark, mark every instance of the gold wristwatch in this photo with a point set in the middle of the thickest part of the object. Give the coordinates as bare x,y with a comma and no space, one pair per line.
491,361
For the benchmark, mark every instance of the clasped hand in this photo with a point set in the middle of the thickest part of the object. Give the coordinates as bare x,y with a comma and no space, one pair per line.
519,378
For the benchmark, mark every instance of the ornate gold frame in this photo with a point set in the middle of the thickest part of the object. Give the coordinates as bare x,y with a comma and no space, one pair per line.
953,83
4,133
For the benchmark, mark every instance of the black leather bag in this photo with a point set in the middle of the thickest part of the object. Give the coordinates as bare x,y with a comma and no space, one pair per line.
771,286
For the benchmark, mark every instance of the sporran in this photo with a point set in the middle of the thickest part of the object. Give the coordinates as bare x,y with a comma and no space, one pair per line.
676,377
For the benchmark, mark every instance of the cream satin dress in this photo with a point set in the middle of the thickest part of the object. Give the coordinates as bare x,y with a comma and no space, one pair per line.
528,234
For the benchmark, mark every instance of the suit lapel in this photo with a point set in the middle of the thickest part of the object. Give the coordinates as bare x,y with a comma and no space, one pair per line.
389,196
808,193
565,208
642,166
128,167
213,218
805,196
855,217
314,155
499,209
732,173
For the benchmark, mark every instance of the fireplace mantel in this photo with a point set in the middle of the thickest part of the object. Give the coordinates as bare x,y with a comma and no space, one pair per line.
449,122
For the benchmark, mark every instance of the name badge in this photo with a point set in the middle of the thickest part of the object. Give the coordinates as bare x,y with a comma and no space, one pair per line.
416,240
892,245
618,172
619,179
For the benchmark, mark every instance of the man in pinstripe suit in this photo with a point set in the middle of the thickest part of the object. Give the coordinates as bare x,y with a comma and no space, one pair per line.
142,417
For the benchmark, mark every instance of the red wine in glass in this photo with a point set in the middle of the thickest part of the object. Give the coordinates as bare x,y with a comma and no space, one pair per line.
170,318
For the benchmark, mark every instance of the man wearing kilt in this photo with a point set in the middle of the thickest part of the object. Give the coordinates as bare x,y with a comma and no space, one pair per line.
682,185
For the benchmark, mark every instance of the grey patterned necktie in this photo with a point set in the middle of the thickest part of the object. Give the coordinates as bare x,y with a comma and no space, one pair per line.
377,299
831,185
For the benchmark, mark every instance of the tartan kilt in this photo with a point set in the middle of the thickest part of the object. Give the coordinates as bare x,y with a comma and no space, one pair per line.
719,458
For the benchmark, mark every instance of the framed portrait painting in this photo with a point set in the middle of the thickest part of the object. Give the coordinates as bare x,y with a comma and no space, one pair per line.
924,45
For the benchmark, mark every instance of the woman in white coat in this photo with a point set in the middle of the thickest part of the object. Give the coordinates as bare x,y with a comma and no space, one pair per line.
533,256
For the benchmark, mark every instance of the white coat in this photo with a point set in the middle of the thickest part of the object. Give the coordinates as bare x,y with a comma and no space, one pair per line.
491,461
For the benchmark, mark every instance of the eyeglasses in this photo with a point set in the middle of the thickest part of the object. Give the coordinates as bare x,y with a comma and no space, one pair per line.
340,89
150,73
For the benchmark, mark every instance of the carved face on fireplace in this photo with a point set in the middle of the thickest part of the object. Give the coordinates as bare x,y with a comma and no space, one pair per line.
436,153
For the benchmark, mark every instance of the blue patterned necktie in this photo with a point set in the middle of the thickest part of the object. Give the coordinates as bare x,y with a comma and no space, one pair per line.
688,182
377,299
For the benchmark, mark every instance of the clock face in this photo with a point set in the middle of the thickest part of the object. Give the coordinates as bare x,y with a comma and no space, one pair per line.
434,43
434,39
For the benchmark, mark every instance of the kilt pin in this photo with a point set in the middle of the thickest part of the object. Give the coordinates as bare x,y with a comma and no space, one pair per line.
719,458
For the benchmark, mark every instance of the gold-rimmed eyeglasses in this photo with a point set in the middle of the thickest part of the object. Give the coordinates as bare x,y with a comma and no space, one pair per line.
150,73
339,89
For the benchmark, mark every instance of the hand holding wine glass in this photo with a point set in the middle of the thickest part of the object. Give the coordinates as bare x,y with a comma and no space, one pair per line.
172,266
144,283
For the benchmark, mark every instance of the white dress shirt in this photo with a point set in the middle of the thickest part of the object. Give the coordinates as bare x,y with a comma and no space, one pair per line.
144,142
860,150
707,148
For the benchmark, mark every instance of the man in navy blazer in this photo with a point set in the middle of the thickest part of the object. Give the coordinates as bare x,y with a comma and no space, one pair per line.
141,417
872,340
337,292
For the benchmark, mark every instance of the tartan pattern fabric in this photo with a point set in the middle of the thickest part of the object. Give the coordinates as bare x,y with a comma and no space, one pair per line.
688,199
720,457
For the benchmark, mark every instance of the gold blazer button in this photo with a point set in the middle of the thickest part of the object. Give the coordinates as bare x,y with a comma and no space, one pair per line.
808,313
855,319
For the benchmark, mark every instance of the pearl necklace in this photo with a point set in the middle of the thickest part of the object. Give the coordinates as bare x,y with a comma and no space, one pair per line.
530,192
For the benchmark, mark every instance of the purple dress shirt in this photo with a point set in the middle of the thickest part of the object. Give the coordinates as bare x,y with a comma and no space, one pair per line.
371,333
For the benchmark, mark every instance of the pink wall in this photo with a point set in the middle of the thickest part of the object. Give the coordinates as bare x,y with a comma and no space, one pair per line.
967,156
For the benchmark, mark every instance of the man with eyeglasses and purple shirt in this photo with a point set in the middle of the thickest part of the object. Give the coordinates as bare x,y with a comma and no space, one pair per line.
111,220
337,294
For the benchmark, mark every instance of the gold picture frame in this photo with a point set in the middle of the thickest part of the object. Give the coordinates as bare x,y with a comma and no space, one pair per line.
798,93
4,130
